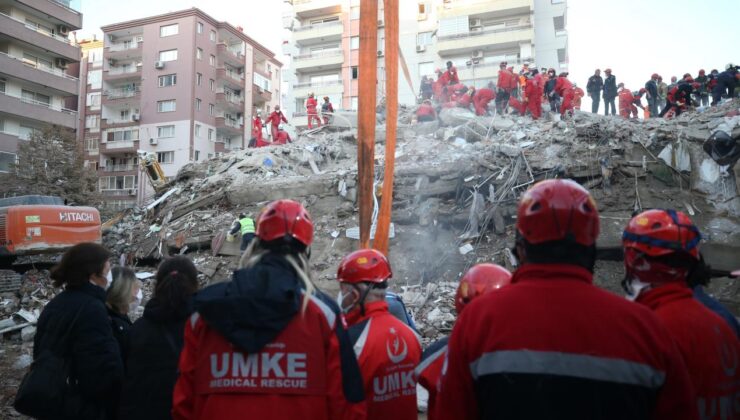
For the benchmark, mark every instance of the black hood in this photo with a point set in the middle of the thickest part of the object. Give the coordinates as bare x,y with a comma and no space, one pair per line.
253,308
156,311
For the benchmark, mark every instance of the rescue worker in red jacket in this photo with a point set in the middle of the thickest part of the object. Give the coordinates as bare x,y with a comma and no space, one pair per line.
426,112
637,102
451,73
578,94
440,85
311,111
518,107
533,92
679,97
466,98
661,255
275,118
564,88
552,345
327,110
503,87
282,136
387,349
257,127
625,100
482,97
479,280
267,344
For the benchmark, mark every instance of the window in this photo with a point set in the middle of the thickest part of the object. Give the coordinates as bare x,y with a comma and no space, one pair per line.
2,85
165,131
92,121
424,38
197,130
199,53
354,12
25,132
210,134
95,56
211,109
197,104
354,42
559,23
561,55
354,72
354,103
198,79
167,80
166,106
34,61
197,155
212,60
122,135
423,10
93,100
213,36
165,157
557,1
199,27
212,84
168,30
6,161
95,79
35,98
168,55
426,69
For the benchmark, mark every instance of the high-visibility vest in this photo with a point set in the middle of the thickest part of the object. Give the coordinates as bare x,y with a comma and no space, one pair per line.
247,225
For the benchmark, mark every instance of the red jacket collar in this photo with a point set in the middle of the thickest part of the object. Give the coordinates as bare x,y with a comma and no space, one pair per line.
371,310
534,272
665,294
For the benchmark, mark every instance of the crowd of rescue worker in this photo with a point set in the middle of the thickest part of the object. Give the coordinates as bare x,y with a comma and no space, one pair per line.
541,342
526,91
276,119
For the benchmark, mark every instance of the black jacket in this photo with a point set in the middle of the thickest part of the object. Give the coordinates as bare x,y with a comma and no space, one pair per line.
652,88
550,85
594,85
121,325
95,360
155,343
610,87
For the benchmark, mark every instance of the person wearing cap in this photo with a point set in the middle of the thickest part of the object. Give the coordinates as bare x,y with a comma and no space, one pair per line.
275,119
327,109
267,344
651,88
311,105
282,136
425,112
533,94
552,96
387,349
257,127
625,100
594,87
610,92
440,85
451,73
564,88
552,345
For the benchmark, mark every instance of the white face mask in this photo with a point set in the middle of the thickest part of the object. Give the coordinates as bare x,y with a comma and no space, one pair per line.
108,279
137,301
340,301
635,287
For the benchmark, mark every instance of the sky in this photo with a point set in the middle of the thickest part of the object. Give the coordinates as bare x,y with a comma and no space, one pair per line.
635,38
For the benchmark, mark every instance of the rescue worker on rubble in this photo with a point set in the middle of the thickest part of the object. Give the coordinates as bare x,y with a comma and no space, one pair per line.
702,94
564,88
267,343
257,127
522,81
245,225
327,110
426,112
651,88
553,345
533,94
637,103
594,87
311,111
727,82
679,97
466,98
440,85
552,98
661,255
425,88
282,136
482,97
610,92
577,96
275,118
625,101
503,87
387,349
662,94
478,281
451,73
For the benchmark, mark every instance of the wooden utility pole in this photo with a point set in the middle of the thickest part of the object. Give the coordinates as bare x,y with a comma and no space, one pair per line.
368,70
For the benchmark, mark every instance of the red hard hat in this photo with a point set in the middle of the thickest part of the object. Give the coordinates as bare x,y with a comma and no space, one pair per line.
479,280
643,90
661,232
654,76
285,219
364,266
557,209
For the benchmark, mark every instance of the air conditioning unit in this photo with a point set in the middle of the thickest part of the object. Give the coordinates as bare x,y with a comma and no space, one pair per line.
61,63
139,38
381,23
153,141
421,48
380,53
62,30
159,65
135,117
476,23
477,54
132,192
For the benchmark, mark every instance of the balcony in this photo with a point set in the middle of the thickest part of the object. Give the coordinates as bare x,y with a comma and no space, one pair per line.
38,37
260,95
119,146
485,8
124,50
28,108
229,126
131,192
59,9
52,78
324,60
312,8
123,72
315,34
127,169
301,90
118,123
230,78
486,39
122,96
490,70
227,55
229,102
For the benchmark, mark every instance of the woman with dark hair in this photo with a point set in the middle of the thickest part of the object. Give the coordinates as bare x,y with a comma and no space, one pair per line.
75,325
155,342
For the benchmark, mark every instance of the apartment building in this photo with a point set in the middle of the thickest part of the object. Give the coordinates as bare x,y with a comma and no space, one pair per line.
35,85
182,85
476,35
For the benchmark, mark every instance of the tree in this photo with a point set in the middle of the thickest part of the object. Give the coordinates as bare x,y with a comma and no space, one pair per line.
52,163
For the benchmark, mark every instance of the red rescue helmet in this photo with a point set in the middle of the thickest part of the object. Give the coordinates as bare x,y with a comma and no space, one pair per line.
657,233
479,280
558,209
364,266
702,72
285,219
642,90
